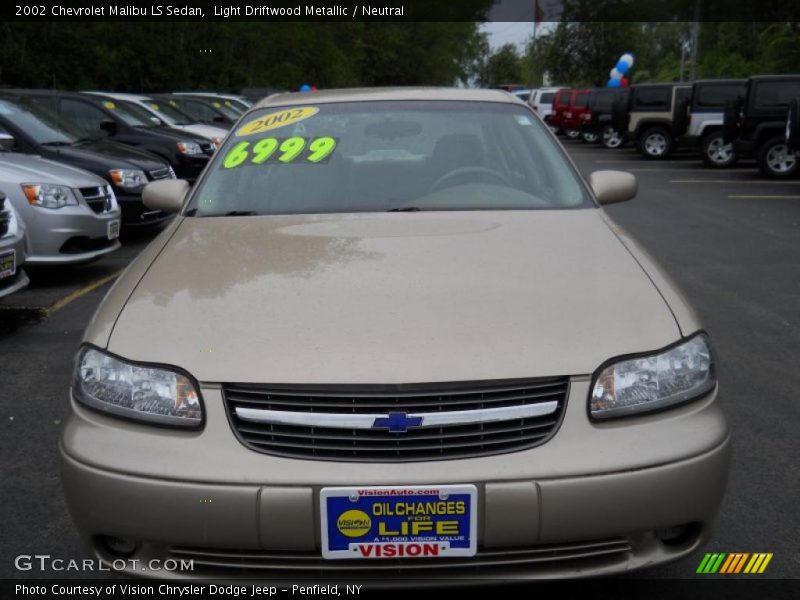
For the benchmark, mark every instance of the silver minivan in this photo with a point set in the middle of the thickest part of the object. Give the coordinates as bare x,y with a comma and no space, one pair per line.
12,249
71,215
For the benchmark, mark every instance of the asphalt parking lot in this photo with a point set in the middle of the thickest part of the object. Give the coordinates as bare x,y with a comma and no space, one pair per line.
731,240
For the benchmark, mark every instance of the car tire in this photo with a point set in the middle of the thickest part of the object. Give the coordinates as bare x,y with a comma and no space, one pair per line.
775,160
590,137
655,143
716,153
572,134
612,138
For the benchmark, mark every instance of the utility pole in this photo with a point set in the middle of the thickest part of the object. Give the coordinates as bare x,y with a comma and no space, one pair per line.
695,42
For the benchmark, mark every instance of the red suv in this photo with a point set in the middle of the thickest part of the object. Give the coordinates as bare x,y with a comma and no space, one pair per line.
560,104
576,113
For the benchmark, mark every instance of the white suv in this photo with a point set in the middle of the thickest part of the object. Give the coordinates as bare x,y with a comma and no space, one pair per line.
541,100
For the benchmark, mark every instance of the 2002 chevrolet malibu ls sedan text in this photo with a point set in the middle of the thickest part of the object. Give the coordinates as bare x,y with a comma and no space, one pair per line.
392,330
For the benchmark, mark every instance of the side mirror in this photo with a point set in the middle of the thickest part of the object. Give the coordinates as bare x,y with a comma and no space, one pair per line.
110,127
156,120
6,143
166,195
610,187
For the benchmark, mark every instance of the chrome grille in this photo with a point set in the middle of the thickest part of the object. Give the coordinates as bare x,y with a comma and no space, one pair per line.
165,173
5,217
531,558
395,423
98,198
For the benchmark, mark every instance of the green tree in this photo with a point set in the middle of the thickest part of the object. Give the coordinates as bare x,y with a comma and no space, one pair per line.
502,66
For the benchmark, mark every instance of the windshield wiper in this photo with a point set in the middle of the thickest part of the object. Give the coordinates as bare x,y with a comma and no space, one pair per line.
405,209
56,143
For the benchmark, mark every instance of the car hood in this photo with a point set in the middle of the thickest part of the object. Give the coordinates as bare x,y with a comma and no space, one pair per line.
206,131
111,155
171,134
392,298
26,168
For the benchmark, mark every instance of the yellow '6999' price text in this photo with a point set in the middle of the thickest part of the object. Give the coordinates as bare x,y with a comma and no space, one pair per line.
279,151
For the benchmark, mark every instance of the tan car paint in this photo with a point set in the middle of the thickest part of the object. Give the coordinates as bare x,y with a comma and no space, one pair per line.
392,298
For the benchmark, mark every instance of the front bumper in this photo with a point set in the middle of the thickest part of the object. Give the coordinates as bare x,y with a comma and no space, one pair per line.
588,502
136,214
72,234
9,285
189,167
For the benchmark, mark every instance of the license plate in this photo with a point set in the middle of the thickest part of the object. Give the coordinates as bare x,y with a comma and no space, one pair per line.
113,230
8,264
429,521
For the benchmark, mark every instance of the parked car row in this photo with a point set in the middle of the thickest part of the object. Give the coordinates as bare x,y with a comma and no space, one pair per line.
725,119
73,166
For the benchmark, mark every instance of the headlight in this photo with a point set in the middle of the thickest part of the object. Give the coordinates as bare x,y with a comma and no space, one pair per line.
217,141
189,148
128,178
48,195
648,383
143,393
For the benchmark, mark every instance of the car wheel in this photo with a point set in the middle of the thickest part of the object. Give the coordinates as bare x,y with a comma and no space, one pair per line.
776,160
572,134
716,153
612,138
589,137
655,143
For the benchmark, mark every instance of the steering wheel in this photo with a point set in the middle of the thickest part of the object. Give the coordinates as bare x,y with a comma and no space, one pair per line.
455,173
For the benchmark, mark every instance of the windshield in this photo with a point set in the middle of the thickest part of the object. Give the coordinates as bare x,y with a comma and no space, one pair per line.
582,100
388,156
43,126
133,115
603,100
225,110
169,113
234,107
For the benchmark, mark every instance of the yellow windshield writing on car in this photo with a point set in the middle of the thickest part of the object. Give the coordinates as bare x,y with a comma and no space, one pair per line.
277,119
277,151
109,105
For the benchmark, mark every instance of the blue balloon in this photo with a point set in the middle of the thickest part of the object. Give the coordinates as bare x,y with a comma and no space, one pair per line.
305,88
613,83
622,67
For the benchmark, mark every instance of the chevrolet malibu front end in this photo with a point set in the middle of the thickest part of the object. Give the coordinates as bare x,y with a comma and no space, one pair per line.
391,332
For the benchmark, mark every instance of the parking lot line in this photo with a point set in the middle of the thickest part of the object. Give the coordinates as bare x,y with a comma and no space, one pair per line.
640,161
765,196
736,181
61,303
678,169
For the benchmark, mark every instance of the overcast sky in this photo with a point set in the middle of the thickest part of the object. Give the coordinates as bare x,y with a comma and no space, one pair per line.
512,32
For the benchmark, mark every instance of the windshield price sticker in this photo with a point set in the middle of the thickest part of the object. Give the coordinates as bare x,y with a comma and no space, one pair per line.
277,119
280,150
399,522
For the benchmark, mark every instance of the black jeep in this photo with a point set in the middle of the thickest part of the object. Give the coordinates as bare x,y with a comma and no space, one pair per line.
756,123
